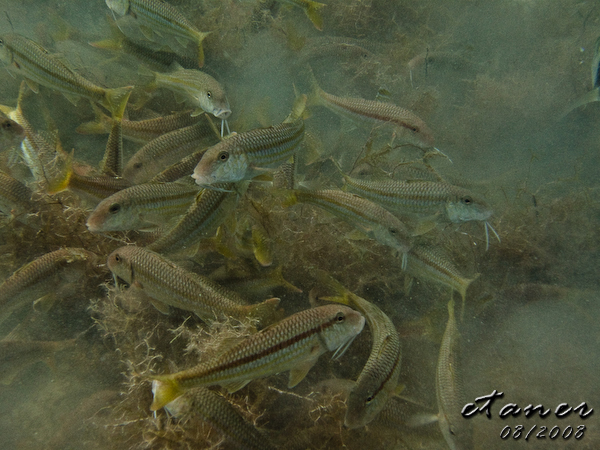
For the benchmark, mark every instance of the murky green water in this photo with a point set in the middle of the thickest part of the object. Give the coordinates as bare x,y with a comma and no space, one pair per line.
490,79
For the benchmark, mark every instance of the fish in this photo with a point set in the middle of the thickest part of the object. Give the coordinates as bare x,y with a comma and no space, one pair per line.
11,133
141,207
167,149
378,380
157,16
40,280
183,168
428,262
140,131
261,284
311,9
293,344
157,59
373,220
92,188
167,284
195,87
448,387
412,128
245,155
221,415
112,162
16,355
208,210
29,59
15,198
262,245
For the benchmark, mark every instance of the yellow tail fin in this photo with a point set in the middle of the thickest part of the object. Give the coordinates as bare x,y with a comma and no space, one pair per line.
312,12
165,390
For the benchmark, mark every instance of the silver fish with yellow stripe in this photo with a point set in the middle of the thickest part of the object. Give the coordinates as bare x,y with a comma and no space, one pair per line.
293,344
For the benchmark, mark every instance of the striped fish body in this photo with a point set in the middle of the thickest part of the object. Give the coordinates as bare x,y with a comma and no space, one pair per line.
422,197
170,285
15,197
183,168
38,66
221,415
160,17
246,155
138,130
378,380
95,188
43,276
141,207
448,386
293,344
167,149
414,130
370,218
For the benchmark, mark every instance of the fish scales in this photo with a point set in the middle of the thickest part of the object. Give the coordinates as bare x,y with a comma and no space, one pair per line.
36,277
295,344
15,197
219,413
165,150
378,380
141,206
96,187
202,218
170,285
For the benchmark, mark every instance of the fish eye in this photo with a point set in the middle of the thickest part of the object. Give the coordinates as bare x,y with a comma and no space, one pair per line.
369,399
340,317
467,200
137,165
117,258
393,230
223,156
114,208
1,41
415,129
209,94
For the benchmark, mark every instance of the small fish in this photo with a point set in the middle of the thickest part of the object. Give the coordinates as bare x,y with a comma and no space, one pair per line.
197,88
378,380
15,198
431,263
312,10
207,212
39,280
246,155
16,355
158,59
38,66
261,285
112,162
141,207
413,129
293,344
373,220
92,188
157,16
262,245
167,284
448,387
138,130
167,149
221,415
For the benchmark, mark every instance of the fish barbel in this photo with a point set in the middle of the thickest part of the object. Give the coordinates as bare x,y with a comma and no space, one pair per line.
39,279
220,414
167,149
246,155
38,66
141,207
167,284
293,344
203,217
378,380
199,89
157,16
414,130
138,130
448,387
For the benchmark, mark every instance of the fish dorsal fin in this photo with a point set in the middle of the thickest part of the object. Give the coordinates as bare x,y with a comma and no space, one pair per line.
43,304
233,386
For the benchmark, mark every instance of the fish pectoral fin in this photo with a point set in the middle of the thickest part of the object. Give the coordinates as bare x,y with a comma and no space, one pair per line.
147,32
195,113
233,386
298,373
179,98
162,307
33,85
43,304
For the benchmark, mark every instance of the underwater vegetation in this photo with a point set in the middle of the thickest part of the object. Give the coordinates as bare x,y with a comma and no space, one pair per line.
297,225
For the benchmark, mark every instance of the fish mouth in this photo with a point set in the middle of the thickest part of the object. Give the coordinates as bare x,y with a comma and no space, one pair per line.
92,227
222,113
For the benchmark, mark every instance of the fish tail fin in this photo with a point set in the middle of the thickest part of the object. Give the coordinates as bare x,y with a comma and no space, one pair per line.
277,275
341,294
313,13
464,285
266,312
314,98
589,97
201,37
117,99
61,181
116,40
165,390
289,197
100,125
297,109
